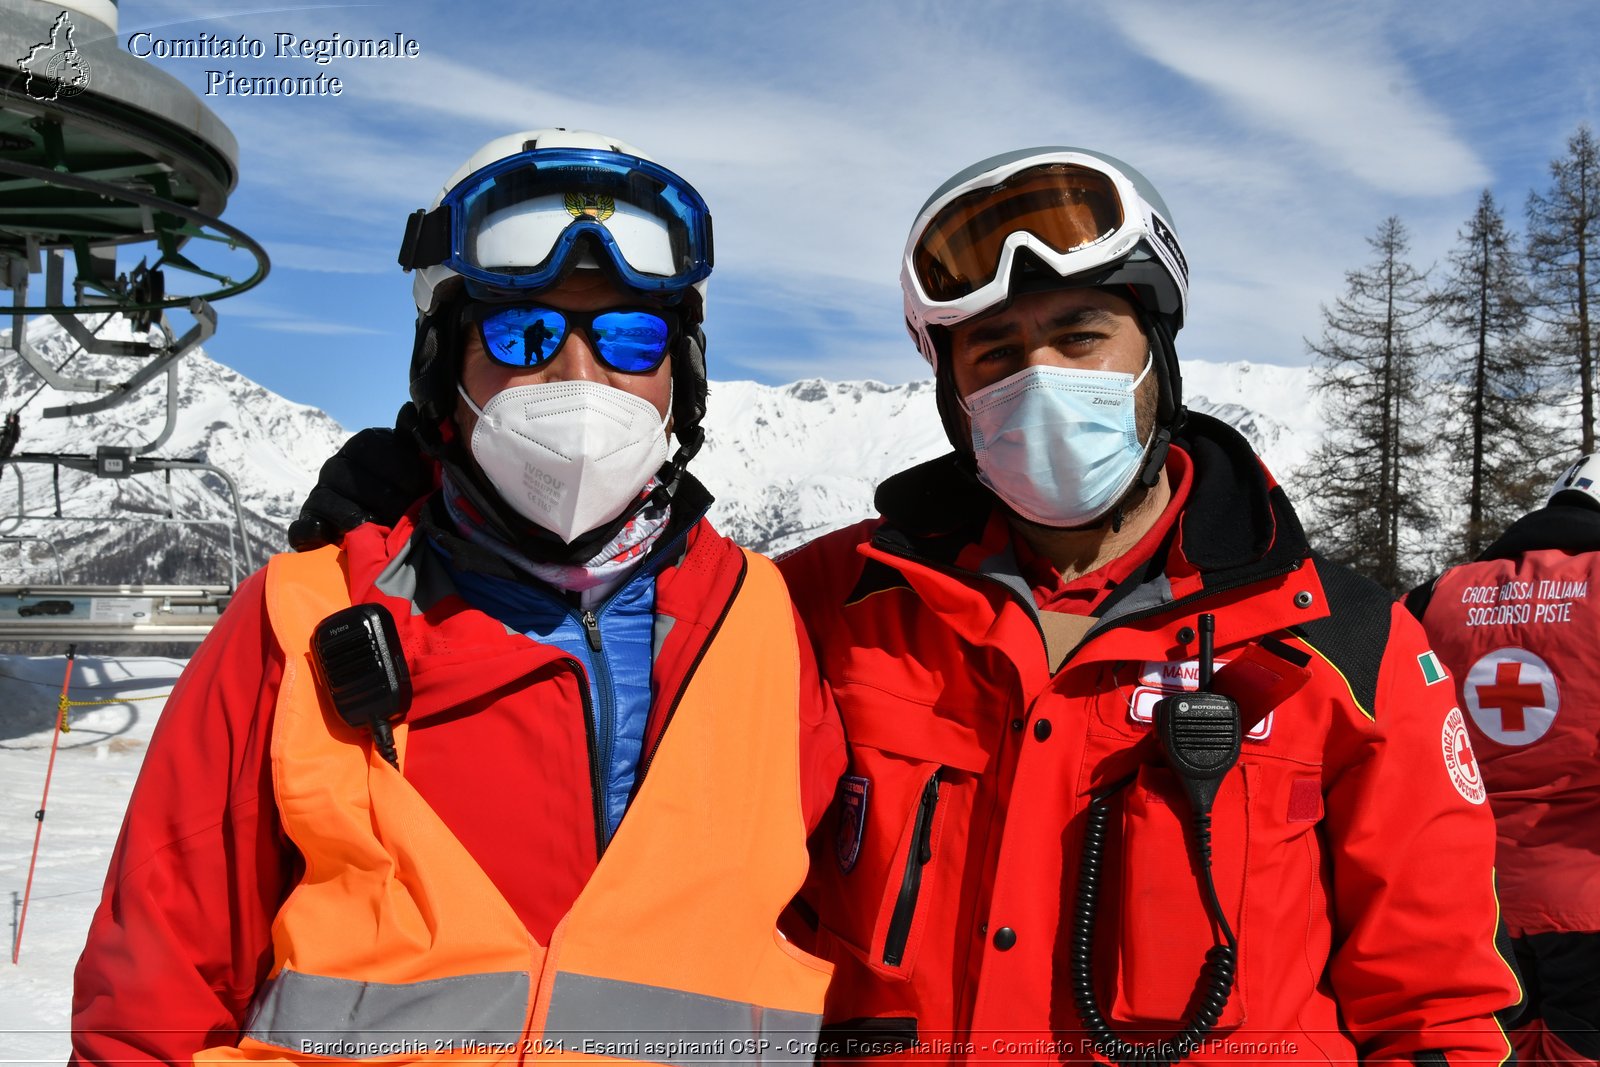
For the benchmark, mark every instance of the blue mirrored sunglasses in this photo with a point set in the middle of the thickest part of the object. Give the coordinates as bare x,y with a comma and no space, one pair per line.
530,335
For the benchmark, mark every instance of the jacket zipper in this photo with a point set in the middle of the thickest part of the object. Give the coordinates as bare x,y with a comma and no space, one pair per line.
711,635
602,719
917,857
600,747
596,783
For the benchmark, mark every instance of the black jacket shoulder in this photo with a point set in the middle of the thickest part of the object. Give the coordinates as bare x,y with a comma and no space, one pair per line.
1354,635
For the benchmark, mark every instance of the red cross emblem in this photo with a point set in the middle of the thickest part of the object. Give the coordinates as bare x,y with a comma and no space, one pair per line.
1459,760
1509,697
1469,763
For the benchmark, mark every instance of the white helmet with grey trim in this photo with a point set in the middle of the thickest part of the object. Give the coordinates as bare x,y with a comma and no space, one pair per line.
1045,218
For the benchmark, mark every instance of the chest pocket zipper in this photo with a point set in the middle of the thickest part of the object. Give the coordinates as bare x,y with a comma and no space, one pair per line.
917,857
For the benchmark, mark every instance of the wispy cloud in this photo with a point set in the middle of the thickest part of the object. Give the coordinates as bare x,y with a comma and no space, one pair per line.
263,316
1280,135
295,255
329,329
1332,83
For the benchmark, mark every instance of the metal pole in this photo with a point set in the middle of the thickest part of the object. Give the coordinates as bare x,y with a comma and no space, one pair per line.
38,831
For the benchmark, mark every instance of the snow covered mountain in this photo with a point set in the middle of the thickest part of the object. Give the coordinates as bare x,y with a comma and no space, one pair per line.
785,462
790,462
146,527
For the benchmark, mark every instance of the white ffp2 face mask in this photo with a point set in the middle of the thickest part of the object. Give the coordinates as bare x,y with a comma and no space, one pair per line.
569,456
1058,444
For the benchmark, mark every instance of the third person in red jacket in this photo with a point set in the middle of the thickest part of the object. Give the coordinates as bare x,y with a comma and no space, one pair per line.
1516,630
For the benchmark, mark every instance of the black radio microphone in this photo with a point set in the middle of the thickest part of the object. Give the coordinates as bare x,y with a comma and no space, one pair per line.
1200,732
357,653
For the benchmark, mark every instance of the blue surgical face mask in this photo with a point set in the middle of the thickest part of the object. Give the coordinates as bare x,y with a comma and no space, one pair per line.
1059,445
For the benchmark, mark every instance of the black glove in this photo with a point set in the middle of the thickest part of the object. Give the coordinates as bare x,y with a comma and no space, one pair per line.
375,477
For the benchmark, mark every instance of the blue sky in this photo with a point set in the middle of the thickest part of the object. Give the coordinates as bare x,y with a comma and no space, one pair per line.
1280,135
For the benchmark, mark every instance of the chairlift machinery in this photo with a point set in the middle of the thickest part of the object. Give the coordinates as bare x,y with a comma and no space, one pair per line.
103,157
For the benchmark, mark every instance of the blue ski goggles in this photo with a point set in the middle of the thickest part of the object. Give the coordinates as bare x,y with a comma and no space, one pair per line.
514,224
524,336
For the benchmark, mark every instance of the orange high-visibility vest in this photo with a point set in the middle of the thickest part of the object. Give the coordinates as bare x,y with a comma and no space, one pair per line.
396,947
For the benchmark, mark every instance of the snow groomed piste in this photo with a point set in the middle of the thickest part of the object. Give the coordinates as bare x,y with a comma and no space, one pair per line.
100,154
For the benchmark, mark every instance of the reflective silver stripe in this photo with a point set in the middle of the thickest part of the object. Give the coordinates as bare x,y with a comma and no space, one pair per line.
309,1013
606,1017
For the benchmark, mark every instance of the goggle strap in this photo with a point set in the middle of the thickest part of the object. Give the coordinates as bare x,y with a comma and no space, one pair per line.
427,239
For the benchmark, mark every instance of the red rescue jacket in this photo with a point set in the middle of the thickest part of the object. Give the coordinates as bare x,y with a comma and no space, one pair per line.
1352,850
182,940
1517,631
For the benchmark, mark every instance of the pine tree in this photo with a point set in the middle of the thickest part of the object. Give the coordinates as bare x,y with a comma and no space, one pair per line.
1563,239
1370,362
1494,435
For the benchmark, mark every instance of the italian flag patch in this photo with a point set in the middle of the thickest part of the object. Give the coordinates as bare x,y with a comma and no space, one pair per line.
1432,670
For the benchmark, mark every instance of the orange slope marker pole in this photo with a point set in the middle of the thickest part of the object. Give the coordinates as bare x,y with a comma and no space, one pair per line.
38,832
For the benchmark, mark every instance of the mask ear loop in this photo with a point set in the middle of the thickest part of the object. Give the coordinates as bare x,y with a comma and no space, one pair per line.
1149,362
1154,456
476,410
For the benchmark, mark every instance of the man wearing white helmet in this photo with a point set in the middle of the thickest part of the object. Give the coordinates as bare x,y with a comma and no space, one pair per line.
1516,628
1134,773
372,822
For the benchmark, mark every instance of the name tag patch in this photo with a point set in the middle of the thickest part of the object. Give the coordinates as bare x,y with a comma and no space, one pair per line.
1164,678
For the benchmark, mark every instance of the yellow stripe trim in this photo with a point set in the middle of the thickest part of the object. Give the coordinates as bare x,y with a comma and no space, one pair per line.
1335,667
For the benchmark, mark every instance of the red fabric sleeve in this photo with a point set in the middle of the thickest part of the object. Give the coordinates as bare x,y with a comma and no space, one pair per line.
1414,966
182,936
822,751
820,573
816,573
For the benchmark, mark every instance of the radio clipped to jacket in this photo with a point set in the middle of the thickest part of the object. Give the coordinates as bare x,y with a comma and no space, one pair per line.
357,655
1200,734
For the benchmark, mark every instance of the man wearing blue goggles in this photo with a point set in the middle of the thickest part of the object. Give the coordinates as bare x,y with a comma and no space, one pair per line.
581,645
562,258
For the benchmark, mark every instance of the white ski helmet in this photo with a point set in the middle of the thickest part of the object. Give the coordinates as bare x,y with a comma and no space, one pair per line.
1579,483
1044,218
